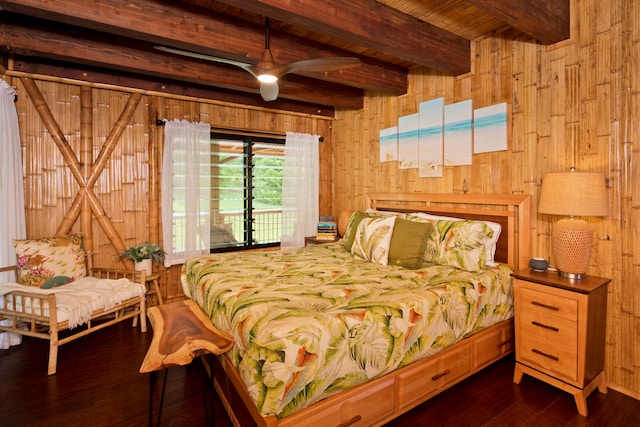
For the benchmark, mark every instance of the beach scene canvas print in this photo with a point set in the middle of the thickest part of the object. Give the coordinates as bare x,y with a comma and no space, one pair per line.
389,144
408,127
490,128
458,133
431,145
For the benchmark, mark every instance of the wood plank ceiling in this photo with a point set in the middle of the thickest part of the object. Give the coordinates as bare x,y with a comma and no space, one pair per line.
112,42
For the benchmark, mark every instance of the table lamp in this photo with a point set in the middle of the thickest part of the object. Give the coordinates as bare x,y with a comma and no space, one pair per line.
573,194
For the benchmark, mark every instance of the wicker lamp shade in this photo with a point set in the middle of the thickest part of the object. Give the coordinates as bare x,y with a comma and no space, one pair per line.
573,194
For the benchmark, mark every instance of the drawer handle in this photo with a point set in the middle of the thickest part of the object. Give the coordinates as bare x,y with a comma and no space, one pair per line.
542,353
550,307
351,421
542,325
438,376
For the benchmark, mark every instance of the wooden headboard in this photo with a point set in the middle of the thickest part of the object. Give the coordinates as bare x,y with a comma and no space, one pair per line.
512,212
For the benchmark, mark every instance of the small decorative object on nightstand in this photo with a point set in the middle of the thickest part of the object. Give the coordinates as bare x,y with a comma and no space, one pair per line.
560,328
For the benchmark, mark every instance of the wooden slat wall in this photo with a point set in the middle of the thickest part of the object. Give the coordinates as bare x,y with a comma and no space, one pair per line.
573,103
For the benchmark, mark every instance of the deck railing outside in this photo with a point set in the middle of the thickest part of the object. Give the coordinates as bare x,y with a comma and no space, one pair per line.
267,224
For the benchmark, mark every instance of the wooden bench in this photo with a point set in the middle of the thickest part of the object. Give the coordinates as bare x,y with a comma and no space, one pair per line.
181,333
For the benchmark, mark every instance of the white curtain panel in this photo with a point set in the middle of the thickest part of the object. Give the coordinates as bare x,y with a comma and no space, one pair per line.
300,186
12,215
186,190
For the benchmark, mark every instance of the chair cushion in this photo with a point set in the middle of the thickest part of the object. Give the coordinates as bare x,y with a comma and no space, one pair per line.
41,261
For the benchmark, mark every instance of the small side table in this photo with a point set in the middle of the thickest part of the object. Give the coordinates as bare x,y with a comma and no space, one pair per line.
181,332
153,287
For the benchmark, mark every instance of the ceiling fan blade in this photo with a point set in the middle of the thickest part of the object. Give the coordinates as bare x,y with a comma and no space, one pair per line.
211,58
318,65
269,91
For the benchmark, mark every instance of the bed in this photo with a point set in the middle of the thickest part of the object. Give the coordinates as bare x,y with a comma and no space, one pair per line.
59,300
323,336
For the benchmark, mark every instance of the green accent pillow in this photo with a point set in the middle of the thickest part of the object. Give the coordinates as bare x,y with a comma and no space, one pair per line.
56,281
408,243
459,244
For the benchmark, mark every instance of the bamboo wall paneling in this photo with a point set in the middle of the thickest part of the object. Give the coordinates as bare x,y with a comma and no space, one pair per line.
53,128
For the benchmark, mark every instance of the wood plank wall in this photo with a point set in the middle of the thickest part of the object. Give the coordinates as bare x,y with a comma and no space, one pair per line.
58,117
574,103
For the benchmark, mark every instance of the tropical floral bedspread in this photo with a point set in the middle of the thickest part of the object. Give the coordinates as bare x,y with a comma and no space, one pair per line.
311,322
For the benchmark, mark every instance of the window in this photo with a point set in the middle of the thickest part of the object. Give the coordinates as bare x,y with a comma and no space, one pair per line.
246,191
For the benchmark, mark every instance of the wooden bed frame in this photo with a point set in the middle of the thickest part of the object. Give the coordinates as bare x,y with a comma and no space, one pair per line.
37,323
385,398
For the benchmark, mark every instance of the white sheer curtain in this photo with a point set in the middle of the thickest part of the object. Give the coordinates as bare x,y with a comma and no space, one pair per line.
12,217
186,183
300,183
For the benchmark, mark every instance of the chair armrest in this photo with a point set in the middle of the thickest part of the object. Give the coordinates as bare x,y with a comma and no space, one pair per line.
11,268
114,273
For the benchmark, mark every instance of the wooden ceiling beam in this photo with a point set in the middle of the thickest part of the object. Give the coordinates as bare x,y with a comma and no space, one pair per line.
548,21
205,31
373,25
73,72
99,50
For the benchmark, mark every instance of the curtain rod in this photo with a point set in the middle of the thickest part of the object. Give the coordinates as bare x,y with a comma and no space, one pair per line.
160,122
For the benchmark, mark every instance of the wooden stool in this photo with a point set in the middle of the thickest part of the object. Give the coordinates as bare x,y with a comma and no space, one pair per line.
181,332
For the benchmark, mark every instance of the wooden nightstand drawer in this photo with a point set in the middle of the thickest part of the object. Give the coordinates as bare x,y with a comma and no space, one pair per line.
549,328
548,304
557,358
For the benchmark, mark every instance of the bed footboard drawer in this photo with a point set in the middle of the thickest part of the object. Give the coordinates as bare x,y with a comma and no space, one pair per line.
361,407
434,376
493,345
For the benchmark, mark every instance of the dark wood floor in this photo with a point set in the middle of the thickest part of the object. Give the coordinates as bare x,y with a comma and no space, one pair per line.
98,384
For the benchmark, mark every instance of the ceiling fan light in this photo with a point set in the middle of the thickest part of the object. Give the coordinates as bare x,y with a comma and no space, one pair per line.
267,78
269,91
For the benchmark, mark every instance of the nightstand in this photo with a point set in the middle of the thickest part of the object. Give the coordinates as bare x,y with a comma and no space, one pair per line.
560,331
312,240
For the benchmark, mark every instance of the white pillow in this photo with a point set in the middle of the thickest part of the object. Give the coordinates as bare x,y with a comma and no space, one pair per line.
491,243
373,238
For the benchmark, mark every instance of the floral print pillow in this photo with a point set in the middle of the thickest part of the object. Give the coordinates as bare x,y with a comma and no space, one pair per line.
373,238
50,261
459,244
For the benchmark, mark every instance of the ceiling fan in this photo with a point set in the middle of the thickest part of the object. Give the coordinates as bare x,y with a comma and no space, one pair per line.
267,71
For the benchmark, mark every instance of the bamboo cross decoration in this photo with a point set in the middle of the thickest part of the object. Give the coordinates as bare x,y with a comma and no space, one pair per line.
85,201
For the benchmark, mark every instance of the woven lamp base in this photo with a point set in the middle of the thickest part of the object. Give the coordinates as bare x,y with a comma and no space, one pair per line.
572,243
